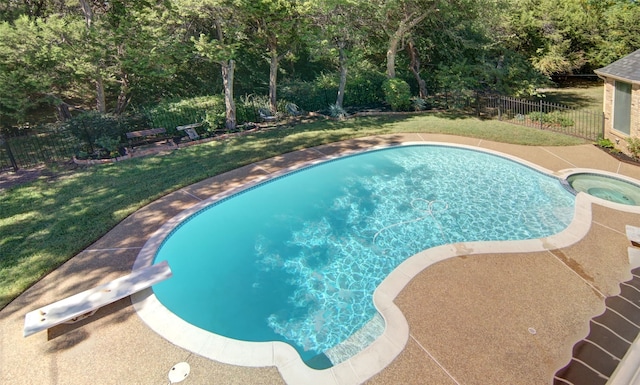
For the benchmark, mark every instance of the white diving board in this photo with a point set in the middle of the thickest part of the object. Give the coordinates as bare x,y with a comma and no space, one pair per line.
633,234
78,305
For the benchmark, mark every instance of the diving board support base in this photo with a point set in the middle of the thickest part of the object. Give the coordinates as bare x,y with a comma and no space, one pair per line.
84,304
634,257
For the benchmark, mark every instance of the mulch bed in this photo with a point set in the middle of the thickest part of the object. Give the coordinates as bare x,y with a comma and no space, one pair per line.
622,157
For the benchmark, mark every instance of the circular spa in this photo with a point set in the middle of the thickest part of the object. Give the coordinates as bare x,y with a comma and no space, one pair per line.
297,258
606,187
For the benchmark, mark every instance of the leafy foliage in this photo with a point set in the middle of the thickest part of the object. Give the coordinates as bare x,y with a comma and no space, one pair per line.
553,117
605,143
208,110
122,55
633,145
103,134
397,94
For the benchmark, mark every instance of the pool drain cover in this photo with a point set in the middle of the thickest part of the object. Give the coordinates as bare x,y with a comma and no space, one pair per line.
179,372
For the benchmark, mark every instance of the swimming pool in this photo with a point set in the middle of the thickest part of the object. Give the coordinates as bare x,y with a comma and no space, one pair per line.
316,243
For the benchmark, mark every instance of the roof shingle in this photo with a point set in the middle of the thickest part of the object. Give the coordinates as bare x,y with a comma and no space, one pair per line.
627,68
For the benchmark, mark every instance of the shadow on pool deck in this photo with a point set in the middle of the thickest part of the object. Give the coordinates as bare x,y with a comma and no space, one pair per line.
479,319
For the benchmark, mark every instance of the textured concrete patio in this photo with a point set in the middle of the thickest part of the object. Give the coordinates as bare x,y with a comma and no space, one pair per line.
509,318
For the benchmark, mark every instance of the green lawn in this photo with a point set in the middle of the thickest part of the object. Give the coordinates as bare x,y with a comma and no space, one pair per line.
582,118
47,221
585,95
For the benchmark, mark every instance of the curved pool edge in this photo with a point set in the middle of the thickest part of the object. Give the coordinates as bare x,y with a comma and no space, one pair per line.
383,350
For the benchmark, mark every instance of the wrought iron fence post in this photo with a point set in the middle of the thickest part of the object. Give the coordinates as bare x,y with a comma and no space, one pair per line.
12,159
541,126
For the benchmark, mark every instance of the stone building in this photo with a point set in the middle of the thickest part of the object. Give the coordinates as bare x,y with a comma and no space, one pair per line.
622,100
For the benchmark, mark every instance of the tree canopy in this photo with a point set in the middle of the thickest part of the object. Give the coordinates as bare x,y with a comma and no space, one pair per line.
122,54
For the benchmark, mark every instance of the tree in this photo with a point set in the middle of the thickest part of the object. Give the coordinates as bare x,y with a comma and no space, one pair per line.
17,82
397,18
217,41
340,24
449,35
277,26
556,34
98,77
138,43
621,33
33,70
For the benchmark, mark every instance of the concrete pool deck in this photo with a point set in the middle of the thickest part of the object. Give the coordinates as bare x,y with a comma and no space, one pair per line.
480,319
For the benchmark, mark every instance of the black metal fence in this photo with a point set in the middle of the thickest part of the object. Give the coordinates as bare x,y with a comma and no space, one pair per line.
583,123
27,148
31,147
587,124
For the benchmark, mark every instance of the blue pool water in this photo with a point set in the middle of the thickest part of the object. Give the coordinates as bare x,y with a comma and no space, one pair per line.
297,259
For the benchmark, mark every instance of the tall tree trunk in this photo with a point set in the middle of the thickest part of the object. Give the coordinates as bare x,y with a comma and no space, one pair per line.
101,103
343,74
396,37
88,12
62,109
228,68
414,67
100,98
273,80
123,97
392,51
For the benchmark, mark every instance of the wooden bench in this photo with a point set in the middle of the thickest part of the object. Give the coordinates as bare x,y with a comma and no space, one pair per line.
146,136
190,129
82,305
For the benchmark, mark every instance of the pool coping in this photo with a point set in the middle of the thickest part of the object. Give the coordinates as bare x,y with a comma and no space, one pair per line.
391,343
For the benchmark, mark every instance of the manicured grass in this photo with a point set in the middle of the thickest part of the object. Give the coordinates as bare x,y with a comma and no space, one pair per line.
585,95
46,222
573,110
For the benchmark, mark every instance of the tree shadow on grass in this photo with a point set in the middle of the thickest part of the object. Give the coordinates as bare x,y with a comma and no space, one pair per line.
454,114
569,99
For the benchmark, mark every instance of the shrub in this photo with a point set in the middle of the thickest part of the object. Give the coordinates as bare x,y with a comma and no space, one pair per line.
397,94
557,117
310,96
605,143
202,109
245,113
363,88
102,134
337,112
419,104
208,110
553,117
249,105
537,116
633,144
